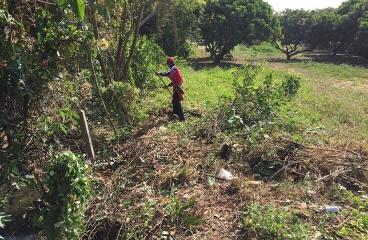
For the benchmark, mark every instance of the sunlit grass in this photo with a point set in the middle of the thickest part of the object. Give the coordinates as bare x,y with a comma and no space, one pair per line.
339,71
328,99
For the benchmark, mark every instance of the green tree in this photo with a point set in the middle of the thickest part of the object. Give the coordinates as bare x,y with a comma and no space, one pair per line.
326,31
227,23
355,25
295,31
361,46
175,22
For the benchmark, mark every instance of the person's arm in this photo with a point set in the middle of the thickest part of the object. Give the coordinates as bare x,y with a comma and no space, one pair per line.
164,74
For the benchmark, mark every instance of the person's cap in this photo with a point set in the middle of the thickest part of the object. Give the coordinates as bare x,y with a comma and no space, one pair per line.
170,60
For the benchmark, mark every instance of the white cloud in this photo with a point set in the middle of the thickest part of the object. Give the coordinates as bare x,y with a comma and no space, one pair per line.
280,5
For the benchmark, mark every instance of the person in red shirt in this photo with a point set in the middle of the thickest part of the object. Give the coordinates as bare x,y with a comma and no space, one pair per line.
177,81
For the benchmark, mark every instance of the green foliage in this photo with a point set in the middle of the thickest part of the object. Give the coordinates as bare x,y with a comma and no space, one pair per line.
67,182
295,30
78,6
340,30
257,101
146,60
354,220
291,86
121,99
65,121
176,24
274,223
227,23
326,31
183,212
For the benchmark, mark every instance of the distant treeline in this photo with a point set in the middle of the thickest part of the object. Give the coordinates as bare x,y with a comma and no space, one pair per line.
341,30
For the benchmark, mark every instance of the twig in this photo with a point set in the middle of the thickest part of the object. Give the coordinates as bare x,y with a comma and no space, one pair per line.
336,173
100,95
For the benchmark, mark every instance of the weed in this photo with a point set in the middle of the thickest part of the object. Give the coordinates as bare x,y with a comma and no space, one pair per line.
352,221
257,102
183,212
271,223
68,192
121,99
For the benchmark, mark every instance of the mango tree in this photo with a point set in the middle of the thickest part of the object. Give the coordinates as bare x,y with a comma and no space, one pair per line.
227,23
295,30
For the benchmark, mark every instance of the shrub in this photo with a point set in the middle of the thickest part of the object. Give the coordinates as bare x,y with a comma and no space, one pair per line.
121,99
147,58
291,86
68,192
257,101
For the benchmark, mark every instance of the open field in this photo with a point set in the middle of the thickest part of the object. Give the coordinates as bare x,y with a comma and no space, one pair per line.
333,96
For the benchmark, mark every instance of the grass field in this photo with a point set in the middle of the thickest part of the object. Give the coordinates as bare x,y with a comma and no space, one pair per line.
333,98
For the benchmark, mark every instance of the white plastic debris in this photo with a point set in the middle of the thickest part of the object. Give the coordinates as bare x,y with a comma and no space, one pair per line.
165,233
163,129
224,175
332,209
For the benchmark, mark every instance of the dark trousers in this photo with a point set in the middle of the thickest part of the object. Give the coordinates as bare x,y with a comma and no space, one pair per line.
177,109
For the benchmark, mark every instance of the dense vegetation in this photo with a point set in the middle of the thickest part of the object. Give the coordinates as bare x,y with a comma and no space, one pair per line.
294,132
341,30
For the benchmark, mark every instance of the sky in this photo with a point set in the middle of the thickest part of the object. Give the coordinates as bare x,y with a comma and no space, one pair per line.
280,5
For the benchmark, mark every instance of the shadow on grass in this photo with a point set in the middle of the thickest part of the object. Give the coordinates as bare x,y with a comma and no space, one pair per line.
323,57
205,63
316,56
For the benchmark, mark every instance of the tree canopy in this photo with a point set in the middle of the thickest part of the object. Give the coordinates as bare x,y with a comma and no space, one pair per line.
227,23
294,32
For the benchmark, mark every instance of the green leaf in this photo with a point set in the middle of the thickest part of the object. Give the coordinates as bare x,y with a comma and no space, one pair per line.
109,3
79,8
63,129
62,3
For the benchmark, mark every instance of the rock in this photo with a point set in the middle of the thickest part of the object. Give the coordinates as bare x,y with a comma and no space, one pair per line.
225,152
317,236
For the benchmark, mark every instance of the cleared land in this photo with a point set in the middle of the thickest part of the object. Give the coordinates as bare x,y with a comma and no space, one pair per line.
162,181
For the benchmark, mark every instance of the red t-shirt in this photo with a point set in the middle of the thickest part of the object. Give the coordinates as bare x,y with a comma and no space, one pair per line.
176,76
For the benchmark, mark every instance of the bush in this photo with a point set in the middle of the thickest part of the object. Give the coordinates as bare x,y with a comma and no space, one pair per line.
291,86
271,223
121,99
257,101
68,192
146,60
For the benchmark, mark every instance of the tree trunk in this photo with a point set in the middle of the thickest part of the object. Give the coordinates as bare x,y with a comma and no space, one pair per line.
99,57
134,43
220,56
